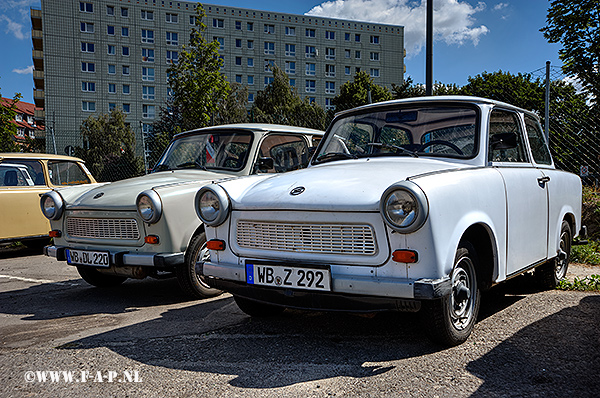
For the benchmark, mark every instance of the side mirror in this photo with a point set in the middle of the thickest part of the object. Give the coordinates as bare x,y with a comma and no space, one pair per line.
264,164
503,141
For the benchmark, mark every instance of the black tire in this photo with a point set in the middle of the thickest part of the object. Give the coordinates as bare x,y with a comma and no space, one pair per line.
98,279
189,276
450,320
550,274
257,309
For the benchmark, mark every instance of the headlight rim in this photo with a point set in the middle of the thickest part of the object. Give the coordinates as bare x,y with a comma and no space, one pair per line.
224,203
417,193
156,204
59,205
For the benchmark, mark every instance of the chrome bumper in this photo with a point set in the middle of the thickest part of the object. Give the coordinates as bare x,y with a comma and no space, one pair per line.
121,259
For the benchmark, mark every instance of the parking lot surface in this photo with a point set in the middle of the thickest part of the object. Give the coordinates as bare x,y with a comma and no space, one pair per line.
63,338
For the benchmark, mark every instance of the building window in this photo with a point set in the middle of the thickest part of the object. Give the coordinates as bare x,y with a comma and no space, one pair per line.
87,27
148,92
347,36
311,69
218,23
147,36
148,74
172,38
347,53
127,108
330,35
290,31
171,18
293,82
126,89
269,65
89,67
250,44
312,100
250,80
250,97
89,87
311,86
374,72
374,56
268,80
86,7
124,12
269,29
110,10
146,129
238,61
88,106
87,47
193,20
110,30
125,51
238,43
329,104
290,50
374,40
269,48
148,15
112,69
310,33
112,88
330,70
238,25
250,62
111,50
329,53
147,55
238,79
357,38
329,87
250,26
125,70
357,70
221,41
172,57
310,52
357,54
125,31
347,70
112,106
290,67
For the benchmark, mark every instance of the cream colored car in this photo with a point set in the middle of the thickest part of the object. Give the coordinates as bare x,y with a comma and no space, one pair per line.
24,177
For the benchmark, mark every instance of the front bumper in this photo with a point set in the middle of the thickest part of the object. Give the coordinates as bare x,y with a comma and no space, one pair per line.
127,259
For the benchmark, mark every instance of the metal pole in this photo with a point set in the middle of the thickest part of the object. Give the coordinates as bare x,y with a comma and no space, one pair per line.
53,132
547,113
429,50
144,148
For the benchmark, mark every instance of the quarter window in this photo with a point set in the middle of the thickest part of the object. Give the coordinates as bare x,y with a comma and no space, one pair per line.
537,142
505,127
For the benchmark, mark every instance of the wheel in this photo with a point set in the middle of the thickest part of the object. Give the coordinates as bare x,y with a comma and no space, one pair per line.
550,274
189,274
254,308
450,320
441,142
98,279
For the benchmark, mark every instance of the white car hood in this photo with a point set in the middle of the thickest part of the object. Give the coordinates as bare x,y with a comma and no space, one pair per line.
121,195
348,185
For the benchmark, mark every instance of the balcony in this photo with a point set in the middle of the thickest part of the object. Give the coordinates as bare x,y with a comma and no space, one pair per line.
38,79
38,59
38,98
39,114
36,18
37,39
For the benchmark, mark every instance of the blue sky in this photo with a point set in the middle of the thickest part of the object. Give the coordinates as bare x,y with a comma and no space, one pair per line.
471,36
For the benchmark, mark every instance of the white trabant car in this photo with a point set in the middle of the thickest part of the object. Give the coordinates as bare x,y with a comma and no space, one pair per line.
147,226
414,205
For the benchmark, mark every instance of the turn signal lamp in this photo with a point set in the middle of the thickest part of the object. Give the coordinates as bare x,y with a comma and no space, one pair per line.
405,256
55,233
215,244
151,239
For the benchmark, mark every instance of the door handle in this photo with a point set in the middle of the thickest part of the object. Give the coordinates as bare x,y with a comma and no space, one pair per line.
543,180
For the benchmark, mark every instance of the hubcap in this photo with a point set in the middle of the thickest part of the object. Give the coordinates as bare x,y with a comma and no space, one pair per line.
563,256
203,256
463,294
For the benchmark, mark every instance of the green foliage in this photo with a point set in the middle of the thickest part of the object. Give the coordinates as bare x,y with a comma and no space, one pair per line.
8,129
409,90
233,108
575,24
355,92
589,283
109,147
586,254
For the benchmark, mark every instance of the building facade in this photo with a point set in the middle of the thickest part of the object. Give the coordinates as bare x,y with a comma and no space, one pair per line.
27,126
95,55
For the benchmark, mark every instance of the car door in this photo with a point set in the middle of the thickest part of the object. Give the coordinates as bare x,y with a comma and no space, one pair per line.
526,192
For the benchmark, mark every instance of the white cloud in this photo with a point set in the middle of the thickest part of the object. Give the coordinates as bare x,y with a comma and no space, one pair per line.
500,6
452,19
14,28
28,70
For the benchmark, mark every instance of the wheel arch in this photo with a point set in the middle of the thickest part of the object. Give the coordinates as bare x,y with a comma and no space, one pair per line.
482,239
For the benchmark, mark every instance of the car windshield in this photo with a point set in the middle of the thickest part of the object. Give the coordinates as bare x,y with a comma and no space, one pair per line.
224,150
415,130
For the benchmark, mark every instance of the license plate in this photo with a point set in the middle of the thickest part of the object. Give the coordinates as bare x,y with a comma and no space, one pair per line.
86,257
288,277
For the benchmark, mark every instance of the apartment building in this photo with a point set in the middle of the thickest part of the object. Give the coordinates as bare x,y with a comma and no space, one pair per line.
95,55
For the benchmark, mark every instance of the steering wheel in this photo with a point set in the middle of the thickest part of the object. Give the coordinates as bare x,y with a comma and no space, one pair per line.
440,142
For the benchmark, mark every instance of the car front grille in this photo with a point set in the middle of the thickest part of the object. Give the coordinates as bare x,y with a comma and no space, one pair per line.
307,238
103,228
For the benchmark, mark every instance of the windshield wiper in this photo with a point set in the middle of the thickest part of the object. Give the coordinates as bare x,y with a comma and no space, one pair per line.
391,146
195,164
335,156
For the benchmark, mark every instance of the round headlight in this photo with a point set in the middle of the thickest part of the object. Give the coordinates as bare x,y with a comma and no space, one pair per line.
212,205
52,205
149,206
404,207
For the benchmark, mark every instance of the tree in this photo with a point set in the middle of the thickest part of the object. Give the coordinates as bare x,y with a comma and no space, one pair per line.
109,147
355,92
576,25
410,90
8,128
233,108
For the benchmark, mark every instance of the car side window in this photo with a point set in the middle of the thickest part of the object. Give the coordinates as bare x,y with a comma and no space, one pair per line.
505,141
34,168
12,177
288,152
66,173
537,142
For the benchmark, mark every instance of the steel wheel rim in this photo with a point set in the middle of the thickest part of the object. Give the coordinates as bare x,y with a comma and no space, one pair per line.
201,258
563,256
463,294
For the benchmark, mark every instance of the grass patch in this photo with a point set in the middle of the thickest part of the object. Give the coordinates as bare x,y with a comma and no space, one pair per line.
589,283
586,254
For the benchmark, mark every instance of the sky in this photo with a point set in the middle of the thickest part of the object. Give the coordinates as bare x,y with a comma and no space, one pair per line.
470,36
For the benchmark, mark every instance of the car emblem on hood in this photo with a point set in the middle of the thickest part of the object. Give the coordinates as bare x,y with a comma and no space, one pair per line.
297,191
98,195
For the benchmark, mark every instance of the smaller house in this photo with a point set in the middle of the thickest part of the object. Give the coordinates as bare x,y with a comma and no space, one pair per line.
26,124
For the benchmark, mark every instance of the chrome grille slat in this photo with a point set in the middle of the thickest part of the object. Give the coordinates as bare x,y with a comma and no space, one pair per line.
308,238
103,228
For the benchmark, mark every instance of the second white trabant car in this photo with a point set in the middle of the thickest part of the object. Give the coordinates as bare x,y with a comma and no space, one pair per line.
413,205
147,226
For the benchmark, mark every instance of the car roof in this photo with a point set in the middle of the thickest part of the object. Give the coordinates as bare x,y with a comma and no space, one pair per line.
264,127
13,165
37,156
